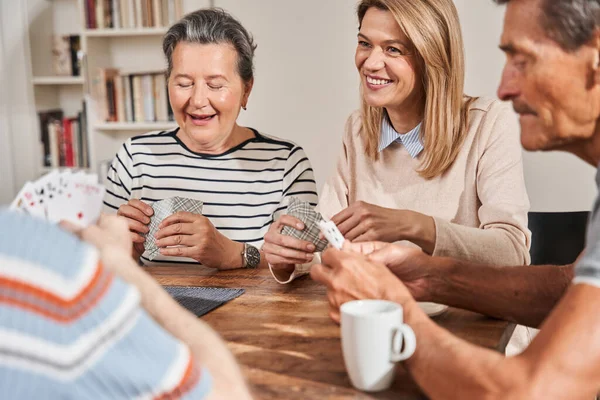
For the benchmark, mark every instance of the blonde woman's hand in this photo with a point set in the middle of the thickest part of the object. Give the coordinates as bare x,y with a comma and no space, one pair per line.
282,251
364,222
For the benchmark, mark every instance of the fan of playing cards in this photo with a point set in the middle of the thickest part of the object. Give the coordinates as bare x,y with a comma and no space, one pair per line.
62,196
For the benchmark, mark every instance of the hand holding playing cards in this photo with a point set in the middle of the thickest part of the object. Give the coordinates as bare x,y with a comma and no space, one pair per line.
283,251
137,214
413,267
362,222
352,276
194,236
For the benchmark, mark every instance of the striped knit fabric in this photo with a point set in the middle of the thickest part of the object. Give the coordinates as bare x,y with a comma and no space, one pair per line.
70,329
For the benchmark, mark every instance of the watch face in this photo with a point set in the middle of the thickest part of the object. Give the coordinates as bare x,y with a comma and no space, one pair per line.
252,256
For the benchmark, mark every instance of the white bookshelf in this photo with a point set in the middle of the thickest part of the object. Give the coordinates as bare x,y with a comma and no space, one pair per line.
135,126
58,80
125,32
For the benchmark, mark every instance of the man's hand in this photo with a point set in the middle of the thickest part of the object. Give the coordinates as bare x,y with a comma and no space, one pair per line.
352,276
137,214
410,265
194,236
363,222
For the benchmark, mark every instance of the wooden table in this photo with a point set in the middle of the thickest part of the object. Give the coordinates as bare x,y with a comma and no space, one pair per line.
288,346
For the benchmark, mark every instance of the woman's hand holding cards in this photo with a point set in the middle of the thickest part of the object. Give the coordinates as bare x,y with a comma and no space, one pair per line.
137,214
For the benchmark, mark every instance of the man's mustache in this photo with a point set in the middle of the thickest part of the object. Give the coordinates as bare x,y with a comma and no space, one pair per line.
522,108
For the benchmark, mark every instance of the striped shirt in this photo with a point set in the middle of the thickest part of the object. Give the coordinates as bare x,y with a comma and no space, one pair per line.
243,190
410,140
70,329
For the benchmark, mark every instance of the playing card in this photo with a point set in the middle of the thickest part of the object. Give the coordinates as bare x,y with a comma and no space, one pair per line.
80,203
305,213
18,203
332,233
163,209
36,198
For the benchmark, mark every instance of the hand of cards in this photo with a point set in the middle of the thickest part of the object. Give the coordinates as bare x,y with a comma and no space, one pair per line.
314,224
62,195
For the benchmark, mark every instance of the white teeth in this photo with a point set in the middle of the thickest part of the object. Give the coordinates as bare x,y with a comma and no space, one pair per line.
378,81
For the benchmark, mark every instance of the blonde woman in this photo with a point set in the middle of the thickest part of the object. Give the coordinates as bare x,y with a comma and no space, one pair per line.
420,162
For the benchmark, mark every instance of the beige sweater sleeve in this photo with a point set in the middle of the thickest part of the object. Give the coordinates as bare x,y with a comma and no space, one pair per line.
502,237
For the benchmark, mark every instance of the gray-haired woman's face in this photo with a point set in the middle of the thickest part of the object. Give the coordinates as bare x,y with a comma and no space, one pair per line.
206,92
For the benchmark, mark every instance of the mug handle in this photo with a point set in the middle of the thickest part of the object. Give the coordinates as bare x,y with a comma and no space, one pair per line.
410,343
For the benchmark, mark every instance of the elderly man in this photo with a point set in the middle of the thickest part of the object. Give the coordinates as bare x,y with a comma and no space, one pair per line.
552,77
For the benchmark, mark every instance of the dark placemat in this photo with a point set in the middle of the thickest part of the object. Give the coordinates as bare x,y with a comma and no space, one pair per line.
202,300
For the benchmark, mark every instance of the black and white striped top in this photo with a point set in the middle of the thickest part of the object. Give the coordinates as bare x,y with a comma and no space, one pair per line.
243,189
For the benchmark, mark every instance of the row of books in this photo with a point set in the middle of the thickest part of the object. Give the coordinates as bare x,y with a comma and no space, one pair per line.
66,55
138,97
64,139
131,14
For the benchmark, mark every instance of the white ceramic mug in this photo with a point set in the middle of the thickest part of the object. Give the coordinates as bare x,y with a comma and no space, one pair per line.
372,335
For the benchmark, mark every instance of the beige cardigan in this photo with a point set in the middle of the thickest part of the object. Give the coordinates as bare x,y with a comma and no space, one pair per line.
479,204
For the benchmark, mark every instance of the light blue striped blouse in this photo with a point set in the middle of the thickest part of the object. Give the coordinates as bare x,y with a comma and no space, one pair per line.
410,140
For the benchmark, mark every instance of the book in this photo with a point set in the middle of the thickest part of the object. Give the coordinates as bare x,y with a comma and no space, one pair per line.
120,98
138,13
138,102
67,143
116,14
55,135
171,12
164,13
61,56
84,136
131,12
108,14
148,97
100,14
156,13
160,98
128,100
45,118
75,51
124,13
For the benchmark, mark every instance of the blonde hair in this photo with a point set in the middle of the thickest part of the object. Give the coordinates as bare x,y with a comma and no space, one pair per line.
434,30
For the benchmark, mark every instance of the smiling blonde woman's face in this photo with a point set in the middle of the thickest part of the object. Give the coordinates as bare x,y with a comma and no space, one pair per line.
386,62
206,92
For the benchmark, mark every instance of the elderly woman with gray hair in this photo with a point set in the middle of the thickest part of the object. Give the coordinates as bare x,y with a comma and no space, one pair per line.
244,178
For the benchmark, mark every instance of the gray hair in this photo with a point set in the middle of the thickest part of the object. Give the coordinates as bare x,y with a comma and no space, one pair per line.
212,26
570,23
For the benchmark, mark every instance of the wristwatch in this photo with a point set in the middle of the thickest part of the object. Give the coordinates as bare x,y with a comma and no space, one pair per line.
251,256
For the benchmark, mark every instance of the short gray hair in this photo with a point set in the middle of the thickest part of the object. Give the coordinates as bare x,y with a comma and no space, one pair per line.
212,26
570,23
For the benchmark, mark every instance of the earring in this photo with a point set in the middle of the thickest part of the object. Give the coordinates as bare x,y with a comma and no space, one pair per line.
244,108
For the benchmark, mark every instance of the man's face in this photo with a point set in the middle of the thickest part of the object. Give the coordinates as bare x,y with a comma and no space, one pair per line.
555,92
